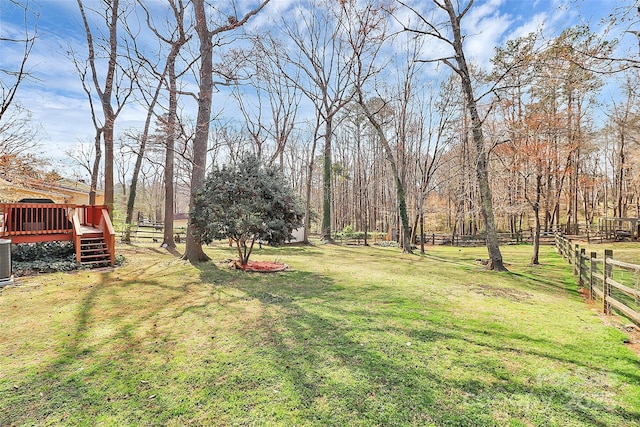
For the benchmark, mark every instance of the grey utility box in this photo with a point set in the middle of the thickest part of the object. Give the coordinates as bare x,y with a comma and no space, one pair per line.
6,278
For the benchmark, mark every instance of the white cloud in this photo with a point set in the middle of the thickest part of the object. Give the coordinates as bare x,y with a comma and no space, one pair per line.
484,28
533,25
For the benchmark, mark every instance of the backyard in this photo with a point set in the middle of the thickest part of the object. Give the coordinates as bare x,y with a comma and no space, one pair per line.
347,336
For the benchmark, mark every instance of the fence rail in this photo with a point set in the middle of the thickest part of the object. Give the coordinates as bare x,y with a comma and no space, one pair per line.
618,288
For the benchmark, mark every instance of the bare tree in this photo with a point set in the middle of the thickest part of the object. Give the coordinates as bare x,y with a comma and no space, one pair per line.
18,135
366,34
82,155
624,123
319,61
114,84
168,78
13,77
458,63
193,251
122,164
272,117
434,142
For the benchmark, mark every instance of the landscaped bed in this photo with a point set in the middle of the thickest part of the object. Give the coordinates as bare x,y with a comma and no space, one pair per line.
346,336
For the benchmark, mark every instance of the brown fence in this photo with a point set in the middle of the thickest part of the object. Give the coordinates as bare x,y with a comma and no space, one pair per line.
546,238
616,283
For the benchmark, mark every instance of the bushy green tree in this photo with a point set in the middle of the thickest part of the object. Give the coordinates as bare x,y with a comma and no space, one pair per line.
246,202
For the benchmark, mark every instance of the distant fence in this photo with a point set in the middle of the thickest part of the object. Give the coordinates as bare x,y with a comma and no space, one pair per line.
616,283
546,238
152,231
448,239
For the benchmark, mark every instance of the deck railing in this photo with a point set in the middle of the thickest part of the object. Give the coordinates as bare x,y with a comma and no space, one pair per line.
22,221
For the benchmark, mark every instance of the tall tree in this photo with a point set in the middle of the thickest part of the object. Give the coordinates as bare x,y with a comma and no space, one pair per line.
177,38
366,34
624,125
105,90
319,61
193,251
458,63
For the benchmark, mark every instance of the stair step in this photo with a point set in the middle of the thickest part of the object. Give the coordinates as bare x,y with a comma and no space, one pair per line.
94,251
91,242
93,246
103,256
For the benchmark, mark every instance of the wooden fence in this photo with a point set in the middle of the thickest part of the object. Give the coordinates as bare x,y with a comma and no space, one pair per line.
154,232
546,238
616,283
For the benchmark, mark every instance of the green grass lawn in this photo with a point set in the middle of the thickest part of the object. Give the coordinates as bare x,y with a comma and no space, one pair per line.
349,336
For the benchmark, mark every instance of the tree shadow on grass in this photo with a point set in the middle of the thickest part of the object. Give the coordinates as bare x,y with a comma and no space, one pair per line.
92,375
541,284
349,364
301,348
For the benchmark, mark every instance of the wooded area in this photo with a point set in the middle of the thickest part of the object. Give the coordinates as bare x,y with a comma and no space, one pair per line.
373,130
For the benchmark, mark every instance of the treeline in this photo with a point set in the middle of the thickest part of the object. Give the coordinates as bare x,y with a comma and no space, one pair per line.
370,108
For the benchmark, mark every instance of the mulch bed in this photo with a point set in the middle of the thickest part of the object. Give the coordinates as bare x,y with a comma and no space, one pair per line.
261,266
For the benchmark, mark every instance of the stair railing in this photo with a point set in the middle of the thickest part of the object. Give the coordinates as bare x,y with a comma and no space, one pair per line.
77,234
108,233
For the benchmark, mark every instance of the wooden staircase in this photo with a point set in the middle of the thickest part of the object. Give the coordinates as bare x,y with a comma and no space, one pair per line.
94,251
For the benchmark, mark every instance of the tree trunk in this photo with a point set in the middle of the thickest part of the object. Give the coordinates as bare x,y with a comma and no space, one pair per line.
421,232
493,246
108,161
95,171
193,251
326,183
168,241
307,207
537,226
133,191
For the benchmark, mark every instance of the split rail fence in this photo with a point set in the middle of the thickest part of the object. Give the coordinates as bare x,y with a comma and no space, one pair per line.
616,283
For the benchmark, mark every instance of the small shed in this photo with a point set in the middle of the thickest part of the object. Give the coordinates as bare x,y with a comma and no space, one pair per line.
298,235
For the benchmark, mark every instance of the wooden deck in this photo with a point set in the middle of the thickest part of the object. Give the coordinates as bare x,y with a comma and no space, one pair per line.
46,222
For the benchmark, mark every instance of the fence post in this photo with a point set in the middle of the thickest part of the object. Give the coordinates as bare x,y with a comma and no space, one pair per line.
592,270
581,266
561,245
575,258
606,286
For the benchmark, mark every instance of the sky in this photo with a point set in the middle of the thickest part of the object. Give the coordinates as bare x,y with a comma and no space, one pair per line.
59,106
